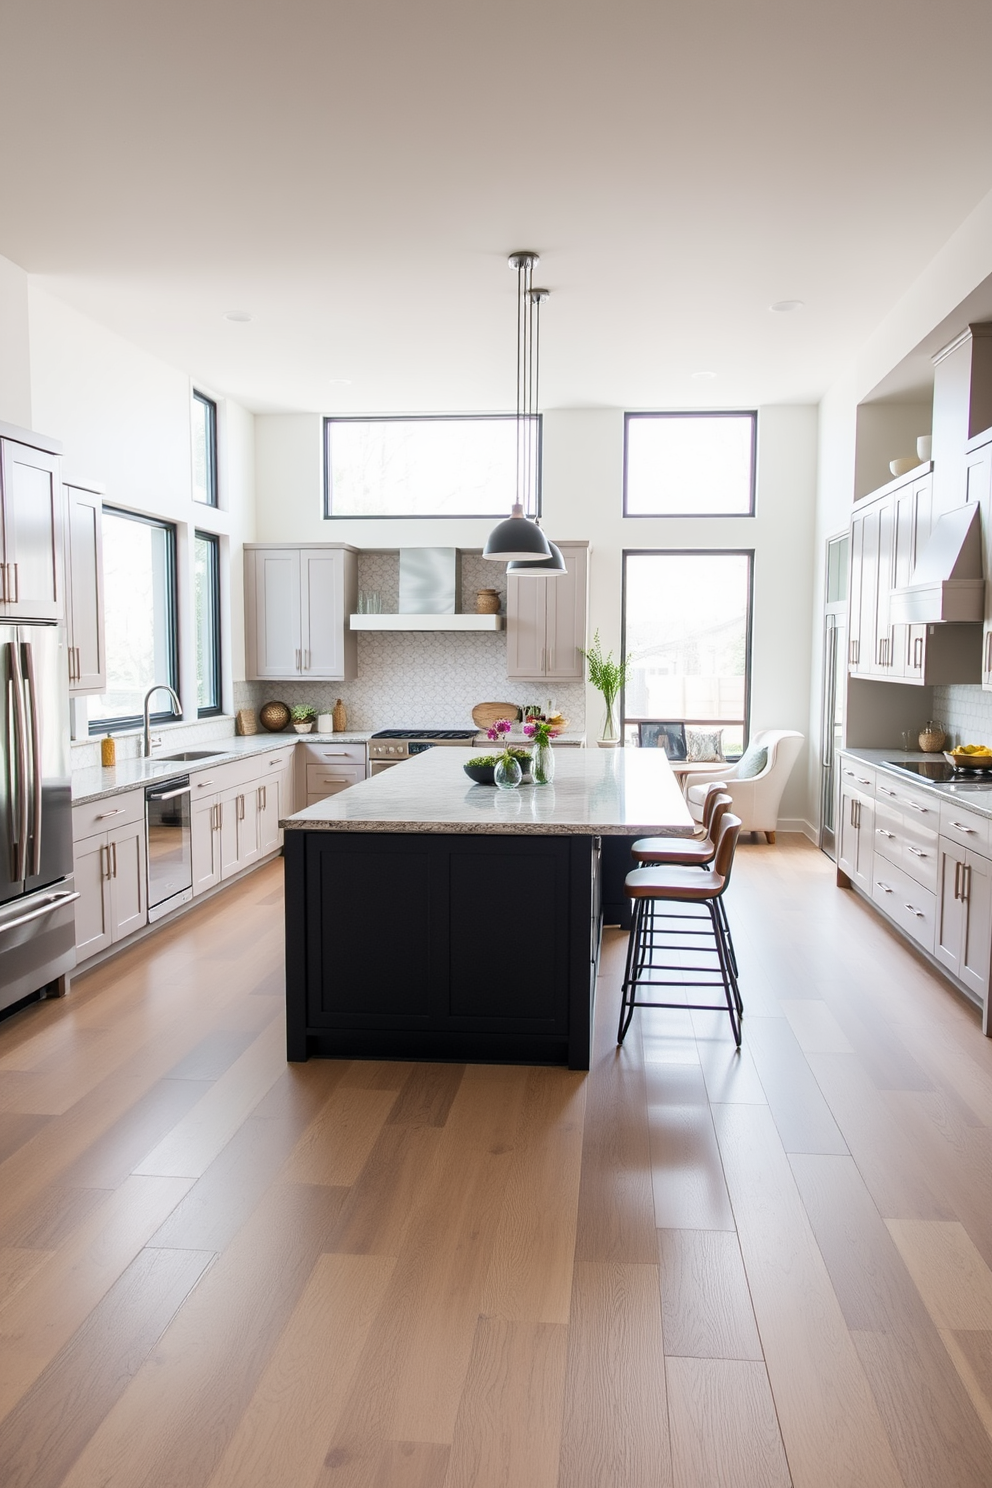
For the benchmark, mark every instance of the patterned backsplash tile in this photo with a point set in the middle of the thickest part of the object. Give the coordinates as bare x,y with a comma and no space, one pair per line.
965,712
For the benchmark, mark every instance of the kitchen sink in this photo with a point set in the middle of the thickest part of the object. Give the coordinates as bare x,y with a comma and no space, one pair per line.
188,754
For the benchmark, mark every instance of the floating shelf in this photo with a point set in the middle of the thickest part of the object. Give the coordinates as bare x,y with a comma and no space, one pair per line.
426,622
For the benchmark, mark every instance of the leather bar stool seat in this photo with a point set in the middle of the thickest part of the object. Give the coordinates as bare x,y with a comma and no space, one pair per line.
687,851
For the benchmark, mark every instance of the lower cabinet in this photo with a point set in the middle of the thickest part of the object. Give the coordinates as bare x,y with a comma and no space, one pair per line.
110,878
238,827
964,917
855,837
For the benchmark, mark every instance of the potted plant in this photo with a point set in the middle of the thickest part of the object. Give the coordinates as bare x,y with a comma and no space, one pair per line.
541,731
507,773
303,716
609,677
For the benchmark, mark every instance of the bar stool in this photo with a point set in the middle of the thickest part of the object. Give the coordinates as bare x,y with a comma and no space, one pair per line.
650,934
693,852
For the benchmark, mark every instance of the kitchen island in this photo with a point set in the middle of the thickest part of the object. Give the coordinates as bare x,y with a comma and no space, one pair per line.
430,918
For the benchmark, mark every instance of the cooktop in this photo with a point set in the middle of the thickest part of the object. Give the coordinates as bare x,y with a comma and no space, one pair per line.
939,772
413,733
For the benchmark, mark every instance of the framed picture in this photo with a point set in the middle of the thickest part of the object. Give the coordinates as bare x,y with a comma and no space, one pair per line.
667,736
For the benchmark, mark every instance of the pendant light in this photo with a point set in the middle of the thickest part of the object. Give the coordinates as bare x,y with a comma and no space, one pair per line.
518,538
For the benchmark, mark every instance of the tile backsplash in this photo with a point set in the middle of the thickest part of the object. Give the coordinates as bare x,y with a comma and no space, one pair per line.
424,679
965,712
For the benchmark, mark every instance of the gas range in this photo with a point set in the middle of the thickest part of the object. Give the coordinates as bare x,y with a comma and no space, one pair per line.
390,746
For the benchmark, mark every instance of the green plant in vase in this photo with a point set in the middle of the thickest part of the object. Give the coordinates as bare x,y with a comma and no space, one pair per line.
542,760
610,678
303,717
508,774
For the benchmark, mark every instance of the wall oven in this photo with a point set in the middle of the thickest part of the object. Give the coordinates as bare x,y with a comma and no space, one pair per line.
168,843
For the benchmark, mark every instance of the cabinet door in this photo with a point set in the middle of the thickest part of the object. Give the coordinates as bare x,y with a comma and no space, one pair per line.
848,833
950,906
527,626
269,801
322,609
978,467
205,844
854,592
227,816
976,944
128,887
246,816
87,662
32,533
866,843
273,601
566,618
883,654
91,871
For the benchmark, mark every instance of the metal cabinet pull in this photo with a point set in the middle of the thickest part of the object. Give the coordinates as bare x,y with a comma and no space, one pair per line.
914,911
201,783
917,853
297,667
923,810
883,886
966,883
862,781
917,653
117,811
241,808
960,826
957,879
113,854
881,832
261,798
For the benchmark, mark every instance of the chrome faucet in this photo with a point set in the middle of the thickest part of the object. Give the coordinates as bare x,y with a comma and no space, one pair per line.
177,709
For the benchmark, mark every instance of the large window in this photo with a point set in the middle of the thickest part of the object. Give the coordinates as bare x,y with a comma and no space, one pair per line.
139,569
204,449
464,466
689,464
687,627
206,599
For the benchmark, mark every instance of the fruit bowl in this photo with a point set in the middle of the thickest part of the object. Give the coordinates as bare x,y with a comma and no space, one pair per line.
962,761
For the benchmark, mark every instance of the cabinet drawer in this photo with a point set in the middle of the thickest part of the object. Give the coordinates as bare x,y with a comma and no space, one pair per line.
911,907
903,839
334,754
920,805
324,780
112,811
858,776
964,827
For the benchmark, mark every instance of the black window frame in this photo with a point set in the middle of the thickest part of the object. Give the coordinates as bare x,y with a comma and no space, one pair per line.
423,418
211,406
695,413
124,725
749,554
213,539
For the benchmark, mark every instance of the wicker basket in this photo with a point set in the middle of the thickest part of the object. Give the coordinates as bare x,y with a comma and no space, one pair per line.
487,602
932,739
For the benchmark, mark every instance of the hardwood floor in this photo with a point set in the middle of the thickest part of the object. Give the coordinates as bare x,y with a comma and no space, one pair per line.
691,1268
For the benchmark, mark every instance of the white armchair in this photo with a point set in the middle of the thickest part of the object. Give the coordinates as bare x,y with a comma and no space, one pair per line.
756,799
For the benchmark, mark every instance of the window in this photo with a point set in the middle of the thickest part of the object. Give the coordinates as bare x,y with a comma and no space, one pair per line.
687,627
139,569
689,464
458,466
204,449
206,601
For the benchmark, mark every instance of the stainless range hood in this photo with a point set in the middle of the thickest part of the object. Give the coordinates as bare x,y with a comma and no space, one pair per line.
947,584
430,588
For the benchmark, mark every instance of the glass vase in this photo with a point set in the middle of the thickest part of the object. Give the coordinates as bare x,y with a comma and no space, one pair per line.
610,733
542,765
507,774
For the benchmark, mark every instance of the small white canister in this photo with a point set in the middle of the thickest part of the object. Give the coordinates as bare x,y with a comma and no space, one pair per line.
325,723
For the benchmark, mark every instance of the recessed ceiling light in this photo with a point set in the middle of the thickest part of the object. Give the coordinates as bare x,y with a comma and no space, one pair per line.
786,307
238,317
704,376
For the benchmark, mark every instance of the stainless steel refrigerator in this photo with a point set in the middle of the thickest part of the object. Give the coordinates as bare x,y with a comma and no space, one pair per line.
37,922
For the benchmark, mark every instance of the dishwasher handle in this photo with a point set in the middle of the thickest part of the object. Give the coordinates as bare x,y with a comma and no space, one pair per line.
182,790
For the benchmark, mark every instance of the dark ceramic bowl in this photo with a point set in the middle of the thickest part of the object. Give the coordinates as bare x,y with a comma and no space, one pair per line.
481,774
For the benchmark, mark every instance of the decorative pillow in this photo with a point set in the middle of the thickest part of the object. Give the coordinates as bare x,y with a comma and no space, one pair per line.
704,746
751,762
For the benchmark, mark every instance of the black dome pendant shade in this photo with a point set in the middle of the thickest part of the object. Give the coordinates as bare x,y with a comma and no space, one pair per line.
516,539
544,568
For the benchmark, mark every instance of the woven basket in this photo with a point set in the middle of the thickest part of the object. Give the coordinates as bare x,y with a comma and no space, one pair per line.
932,743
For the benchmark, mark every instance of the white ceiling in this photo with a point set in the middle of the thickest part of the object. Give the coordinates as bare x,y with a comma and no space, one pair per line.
354,173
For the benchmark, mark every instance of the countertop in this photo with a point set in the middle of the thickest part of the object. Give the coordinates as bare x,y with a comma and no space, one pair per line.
595,792
975,797
94,783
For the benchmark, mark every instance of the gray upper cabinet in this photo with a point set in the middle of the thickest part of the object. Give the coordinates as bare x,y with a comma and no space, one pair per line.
546,622
87,655
297,603
31,576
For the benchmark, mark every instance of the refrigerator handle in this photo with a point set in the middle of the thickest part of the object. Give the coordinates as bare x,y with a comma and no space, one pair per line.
21,745
36,767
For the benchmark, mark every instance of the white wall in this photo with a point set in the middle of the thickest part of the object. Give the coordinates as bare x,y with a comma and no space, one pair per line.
15,359
124,419
583,478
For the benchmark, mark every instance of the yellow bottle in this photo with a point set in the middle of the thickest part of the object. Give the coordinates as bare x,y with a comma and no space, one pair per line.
108,752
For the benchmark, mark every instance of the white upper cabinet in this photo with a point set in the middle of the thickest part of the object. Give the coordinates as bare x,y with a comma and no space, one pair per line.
31,507
87,656
297,603
546,621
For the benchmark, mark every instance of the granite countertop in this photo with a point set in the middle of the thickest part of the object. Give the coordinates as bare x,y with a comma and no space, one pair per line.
94,783
974,797
595,792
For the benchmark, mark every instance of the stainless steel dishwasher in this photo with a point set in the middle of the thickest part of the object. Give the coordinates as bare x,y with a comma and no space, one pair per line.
169,854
